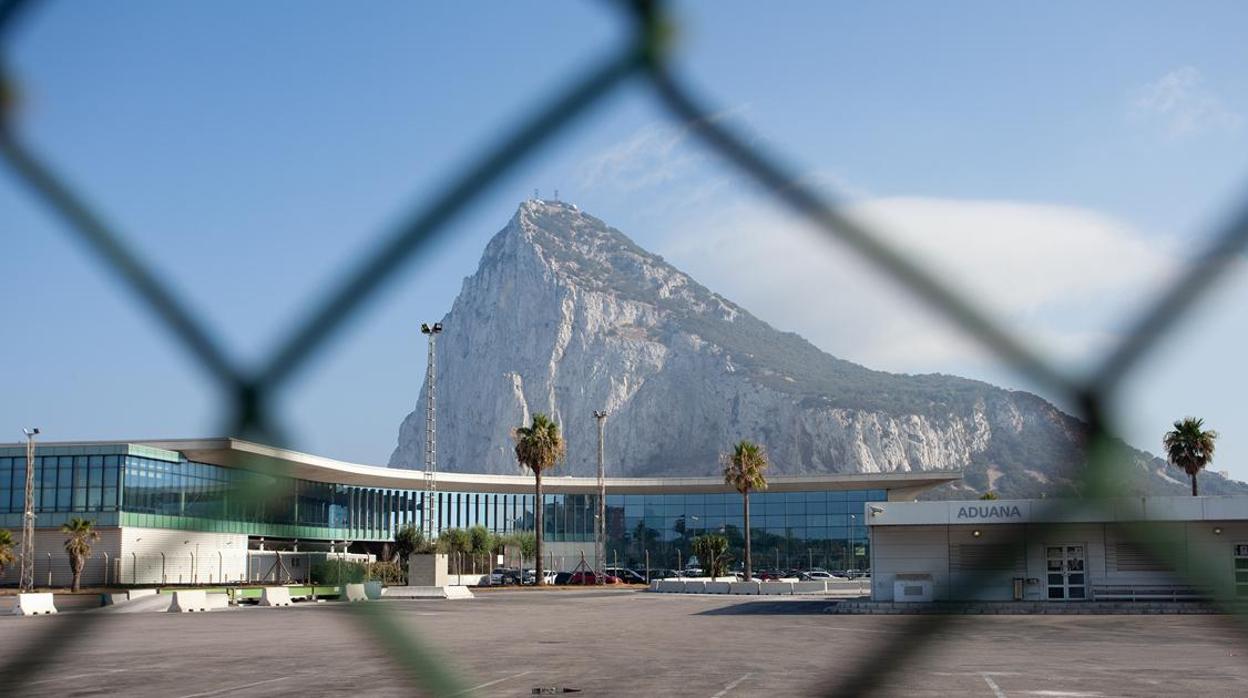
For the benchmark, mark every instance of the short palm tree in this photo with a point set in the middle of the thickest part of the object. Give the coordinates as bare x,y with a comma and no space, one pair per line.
539,447
1190,446
743,471
6,550
81,534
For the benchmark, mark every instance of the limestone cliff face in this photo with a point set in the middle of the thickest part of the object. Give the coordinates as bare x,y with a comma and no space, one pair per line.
566,315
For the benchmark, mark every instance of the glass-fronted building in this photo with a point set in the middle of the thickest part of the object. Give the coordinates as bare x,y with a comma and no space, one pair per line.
237,495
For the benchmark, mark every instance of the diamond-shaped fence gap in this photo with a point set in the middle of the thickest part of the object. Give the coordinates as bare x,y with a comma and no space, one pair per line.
1174,380
786,185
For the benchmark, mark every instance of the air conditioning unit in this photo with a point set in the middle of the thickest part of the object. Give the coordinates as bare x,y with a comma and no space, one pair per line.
913,588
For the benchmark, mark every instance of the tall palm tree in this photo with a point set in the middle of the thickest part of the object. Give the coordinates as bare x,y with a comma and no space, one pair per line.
81,534
6,550
1189,446
743,471
539,447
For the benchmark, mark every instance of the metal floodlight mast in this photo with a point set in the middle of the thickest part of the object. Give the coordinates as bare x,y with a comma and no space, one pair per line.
600,521
27,579
431,433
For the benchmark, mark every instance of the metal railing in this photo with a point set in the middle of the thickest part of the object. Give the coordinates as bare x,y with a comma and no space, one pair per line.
641,59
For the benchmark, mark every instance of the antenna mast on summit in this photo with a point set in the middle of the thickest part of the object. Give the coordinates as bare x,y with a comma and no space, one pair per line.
430,513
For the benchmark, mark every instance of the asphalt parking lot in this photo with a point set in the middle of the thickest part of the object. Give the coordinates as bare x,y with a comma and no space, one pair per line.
619,643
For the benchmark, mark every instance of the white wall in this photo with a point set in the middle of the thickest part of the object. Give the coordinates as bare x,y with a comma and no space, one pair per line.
926,549
189,557
904,549
50,555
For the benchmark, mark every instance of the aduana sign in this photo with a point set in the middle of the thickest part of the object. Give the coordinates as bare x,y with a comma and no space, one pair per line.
992,511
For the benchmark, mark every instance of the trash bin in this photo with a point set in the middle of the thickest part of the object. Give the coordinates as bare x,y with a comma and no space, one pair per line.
1018,588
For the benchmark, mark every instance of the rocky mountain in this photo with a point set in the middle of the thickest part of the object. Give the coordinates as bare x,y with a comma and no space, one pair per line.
566,315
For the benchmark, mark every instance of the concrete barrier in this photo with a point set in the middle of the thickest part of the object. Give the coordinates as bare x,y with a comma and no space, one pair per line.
140,593
718,587
353,592
775,588
34,605
670,586
373,590
743,587
217,601
275,596
695,586
189,601
811,587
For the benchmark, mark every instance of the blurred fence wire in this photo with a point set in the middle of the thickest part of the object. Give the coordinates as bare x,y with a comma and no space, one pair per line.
643,58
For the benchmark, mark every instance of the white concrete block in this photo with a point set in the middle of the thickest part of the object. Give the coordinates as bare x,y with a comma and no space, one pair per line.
718,587
34,605
670,586
353,592
275,596
775,588
189,601
217,601
695,586
743,587
458,592
140,593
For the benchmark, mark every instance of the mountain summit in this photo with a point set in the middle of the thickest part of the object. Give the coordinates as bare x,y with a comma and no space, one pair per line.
567,315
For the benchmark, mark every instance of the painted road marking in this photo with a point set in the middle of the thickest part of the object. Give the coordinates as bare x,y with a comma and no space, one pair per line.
731,686
491,683
231,689
996,690
76,676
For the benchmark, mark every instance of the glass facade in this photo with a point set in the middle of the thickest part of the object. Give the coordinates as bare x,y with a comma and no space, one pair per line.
788,529
139,486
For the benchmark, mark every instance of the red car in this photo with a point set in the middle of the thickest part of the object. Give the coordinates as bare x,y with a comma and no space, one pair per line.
588,578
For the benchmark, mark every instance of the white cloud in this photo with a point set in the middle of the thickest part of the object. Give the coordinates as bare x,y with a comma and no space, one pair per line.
655,154
1062,277
1181,103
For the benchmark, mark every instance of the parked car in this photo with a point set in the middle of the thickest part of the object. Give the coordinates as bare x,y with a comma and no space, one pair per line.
626,575
767,575
560,578
819,576
588,578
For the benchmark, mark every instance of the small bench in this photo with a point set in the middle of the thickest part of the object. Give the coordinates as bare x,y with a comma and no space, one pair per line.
1148,592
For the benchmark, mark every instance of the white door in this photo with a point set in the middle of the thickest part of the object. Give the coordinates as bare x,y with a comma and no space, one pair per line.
1067,578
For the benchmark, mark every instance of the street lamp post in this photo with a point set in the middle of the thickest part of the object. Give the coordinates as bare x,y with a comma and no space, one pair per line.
853,549
600,521
27,579
431,439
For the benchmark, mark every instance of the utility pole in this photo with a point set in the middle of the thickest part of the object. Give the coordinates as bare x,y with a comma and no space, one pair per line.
431,432
600,521
27,581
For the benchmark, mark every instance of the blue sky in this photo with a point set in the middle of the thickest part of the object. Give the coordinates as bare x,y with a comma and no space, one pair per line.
1057,162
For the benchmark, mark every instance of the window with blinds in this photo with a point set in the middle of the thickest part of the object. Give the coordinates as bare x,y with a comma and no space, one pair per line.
986,557
1131,557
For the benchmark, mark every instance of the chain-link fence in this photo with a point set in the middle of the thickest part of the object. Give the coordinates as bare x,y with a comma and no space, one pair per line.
643,58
